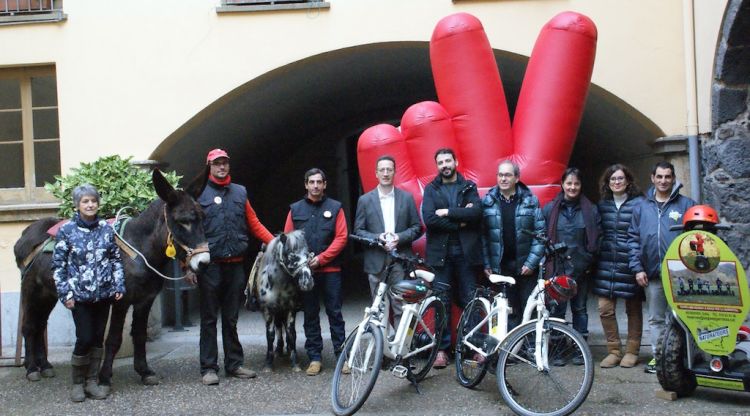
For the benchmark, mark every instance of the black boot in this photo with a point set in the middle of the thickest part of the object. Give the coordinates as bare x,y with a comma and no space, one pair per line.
80,364
92,389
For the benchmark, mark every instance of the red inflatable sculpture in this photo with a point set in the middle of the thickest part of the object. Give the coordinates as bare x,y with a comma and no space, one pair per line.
472,115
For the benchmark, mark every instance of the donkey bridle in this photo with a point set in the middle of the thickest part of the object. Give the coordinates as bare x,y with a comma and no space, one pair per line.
189,251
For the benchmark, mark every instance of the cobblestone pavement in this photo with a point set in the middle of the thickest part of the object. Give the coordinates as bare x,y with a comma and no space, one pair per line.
174,356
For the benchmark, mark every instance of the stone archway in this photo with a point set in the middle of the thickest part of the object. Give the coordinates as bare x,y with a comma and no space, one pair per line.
726,154
310,113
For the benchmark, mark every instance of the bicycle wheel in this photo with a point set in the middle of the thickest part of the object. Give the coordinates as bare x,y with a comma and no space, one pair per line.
554,390
349,391
427,333
470,366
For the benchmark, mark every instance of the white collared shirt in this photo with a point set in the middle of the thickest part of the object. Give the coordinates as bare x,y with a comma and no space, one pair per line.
388,206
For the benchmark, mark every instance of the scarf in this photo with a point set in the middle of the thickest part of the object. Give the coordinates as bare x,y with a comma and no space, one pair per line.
85,224
221,182
592,234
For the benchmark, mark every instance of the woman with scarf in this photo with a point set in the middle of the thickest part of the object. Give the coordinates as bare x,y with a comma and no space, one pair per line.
574,220
613,278
88,273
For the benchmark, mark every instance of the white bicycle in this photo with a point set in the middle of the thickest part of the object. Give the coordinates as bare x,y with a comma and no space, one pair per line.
412,348
543,366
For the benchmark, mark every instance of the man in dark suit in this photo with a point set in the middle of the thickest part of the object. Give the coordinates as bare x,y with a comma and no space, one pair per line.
389,215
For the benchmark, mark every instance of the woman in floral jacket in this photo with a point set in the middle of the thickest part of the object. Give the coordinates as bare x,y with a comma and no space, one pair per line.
88,274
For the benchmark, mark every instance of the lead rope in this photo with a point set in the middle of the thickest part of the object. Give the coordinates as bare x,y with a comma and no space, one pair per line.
117,220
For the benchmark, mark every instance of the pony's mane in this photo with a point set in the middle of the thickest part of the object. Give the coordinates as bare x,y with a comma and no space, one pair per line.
295,241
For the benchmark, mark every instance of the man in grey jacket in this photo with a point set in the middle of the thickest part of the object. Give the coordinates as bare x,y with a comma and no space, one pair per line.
390,215
649,236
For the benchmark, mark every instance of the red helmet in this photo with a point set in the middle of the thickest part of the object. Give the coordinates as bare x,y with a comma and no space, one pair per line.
409,291
561,288
702,213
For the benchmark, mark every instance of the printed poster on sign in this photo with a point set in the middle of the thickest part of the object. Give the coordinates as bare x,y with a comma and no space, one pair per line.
705,285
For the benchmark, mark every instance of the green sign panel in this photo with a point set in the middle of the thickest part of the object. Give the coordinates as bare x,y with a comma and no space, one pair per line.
705,285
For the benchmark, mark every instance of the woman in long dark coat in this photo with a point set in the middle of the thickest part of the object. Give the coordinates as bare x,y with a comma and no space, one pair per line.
613,278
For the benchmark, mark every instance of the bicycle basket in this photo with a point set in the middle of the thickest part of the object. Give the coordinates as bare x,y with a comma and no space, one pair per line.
560,288
409,291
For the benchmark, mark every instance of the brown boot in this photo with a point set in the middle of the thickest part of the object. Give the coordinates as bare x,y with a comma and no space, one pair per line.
612,360
631,356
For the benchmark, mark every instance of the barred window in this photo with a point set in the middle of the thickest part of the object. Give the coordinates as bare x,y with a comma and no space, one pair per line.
29,133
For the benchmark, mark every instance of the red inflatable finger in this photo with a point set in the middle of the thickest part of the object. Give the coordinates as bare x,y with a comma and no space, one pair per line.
380,140
426,127
469,87
552,97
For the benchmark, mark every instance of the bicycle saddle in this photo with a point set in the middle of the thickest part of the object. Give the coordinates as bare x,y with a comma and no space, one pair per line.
498,278
423,274
409,291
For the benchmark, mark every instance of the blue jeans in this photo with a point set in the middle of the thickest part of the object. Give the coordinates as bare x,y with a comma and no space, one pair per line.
329,286
461,277
577,307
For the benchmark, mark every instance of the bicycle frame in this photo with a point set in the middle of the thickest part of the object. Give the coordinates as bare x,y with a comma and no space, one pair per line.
378,314
498,318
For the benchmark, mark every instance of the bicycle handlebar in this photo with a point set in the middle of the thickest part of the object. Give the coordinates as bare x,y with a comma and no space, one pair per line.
372,242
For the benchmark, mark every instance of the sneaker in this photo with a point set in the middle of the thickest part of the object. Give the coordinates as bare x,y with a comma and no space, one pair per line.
345,369
577,360
314,368
242,372
559,361
441,361
479,358
210,378
650,367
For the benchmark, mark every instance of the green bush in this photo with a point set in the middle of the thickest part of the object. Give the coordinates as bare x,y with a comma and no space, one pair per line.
120,184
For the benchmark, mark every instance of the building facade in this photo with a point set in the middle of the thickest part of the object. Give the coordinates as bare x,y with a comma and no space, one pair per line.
286,85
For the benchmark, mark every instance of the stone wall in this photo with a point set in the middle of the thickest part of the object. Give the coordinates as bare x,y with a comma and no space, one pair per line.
726,154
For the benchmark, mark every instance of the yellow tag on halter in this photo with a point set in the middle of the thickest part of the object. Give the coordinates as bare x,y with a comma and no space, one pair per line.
170,251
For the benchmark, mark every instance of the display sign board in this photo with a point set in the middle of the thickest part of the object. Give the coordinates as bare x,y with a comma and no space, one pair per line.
705,285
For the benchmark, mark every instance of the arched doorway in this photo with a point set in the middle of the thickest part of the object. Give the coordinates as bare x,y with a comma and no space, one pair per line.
310,113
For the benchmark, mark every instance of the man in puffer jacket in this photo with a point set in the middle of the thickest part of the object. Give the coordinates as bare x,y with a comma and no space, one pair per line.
649,236
509,213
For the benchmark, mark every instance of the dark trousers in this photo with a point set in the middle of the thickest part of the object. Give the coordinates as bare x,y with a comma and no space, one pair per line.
577,307
327,285
518,294
461,277
221,289
90,319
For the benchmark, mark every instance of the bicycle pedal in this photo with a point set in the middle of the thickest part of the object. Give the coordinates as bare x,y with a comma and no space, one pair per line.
400,371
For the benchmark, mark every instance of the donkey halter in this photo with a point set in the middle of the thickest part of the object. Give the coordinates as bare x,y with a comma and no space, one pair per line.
190,252
297,267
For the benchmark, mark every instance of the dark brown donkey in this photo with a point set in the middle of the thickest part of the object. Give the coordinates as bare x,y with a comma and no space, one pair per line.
175,213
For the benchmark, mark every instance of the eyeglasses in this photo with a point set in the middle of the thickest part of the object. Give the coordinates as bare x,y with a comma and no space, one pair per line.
617,179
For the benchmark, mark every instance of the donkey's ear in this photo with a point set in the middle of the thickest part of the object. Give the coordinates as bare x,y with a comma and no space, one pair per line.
198,184
165,191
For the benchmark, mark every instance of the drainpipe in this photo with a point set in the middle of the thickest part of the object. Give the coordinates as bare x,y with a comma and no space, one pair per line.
691,98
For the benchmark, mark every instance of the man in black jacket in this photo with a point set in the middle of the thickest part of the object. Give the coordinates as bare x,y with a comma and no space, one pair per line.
451,211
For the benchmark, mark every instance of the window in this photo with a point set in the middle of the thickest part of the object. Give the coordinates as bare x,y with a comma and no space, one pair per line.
30,11
230,6
29,134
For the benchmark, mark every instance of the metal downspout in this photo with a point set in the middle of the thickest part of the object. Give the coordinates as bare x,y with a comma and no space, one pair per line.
691,98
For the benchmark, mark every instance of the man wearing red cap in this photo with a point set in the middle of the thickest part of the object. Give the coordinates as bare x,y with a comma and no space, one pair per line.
229,220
